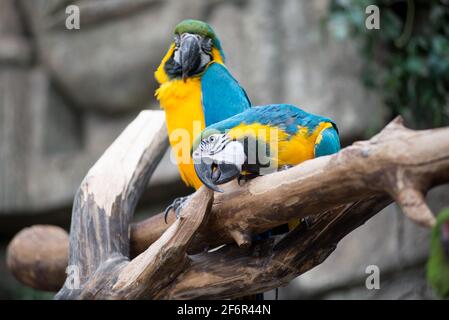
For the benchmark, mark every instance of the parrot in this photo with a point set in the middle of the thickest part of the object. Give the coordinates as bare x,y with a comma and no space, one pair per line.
195,90
438,262
260,140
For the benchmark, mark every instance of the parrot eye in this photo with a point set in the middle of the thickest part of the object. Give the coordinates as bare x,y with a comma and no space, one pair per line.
207,45
212,139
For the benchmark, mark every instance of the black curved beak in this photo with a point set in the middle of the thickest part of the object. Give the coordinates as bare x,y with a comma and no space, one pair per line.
212,174
190,54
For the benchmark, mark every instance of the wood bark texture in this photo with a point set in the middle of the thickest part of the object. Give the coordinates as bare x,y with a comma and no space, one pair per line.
154,260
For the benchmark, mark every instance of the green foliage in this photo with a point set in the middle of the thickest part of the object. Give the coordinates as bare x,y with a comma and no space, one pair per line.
438,263
407,59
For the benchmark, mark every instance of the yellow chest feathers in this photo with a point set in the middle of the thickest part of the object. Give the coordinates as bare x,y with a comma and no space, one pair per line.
184,115
182,104
185,120
181,99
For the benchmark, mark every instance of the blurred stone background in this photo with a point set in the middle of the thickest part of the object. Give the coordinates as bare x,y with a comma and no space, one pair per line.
65,95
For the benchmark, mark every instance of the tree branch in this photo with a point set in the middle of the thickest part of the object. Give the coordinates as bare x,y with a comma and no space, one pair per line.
273,262
340,191
105,202
152,270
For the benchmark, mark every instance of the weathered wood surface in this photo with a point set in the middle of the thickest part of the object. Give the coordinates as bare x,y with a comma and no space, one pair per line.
341,191
271,263
37,256
105,202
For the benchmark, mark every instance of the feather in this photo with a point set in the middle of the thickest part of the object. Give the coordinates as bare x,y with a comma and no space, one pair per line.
222,96
327,142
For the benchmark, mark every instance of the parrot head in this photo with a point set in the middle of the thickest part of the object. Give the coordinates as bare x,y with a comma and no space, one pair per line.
438,263
217,158
194,46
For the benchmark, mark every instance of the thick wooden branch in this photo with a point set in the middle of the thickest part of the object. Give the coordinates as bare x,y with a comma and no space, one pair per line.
271,263
104,204
166,258
341,191
152,270
38,257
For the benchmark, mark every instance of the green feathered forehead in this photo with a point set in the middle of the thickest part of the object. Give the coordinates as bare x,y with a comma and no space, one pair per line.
196,27
201,28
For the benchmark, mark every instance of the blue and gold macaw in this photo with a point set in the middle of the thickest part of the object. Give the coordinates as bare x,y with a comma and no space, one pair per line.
260,138
196,90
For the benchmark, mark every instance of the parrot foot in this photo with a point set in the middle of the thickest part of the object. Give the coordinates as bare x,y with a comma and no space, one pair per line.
176,205
308,221
246,177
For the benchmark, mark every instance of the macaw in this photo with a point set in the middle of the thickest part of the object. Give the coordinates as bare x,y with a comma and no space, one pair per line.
261,140
438,263
196,90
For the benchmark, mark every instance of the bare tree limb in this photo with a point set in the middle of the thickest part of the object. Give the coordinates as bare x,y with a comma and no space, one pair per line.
105,202
273,262
152,270
37,256
340,191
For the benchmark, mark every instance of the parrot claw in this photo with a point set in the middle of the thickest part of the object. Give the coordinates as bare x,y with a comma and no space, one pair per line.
246,177
308,221
249,176
176,205
240,178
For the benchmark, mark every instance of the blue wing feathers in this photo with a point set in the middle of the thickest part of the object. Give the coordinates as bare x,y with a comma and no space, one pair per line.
329,144
289,118
285,116
222,96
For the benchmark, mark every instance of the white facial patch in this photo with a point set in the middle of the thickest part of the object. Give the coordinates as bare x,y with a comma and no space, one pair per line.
205,59
218,148
233,153
177,57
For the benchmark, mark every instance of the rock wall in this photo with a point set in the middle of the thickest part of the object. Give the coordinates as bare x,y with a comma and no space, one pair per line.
75,90
66,94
